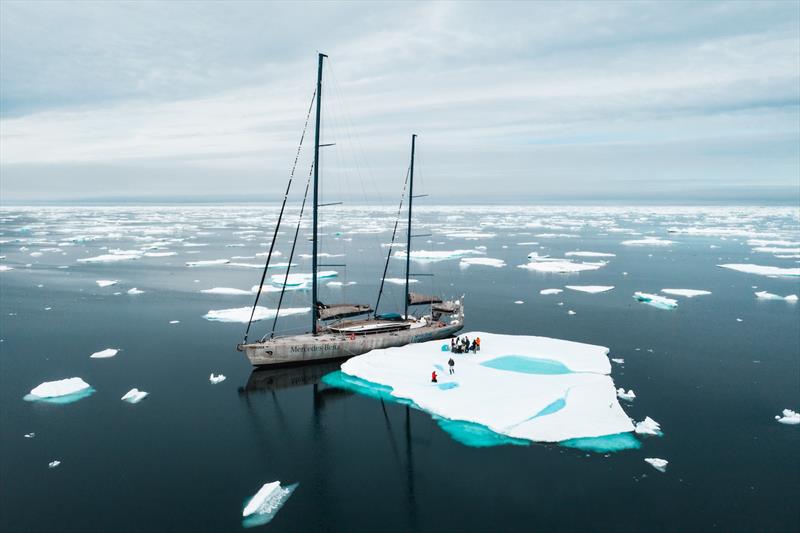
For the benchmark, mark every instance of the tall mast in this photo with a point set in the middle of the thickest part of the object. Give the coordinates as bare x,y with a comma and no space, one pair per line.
408,234
316,200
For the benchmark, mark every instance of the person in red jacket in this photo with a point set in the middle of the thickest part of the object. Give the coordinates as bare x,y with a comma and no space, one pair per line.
433,377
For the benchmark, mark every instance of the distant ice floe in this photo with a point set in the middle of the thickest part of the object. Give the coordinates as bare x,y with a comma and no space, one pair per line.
656,300
5,268
648,241
592,289
618,361
242,314
159,254
658,464
61,391
134,396
764,295
300,279
688,293
561,266
111,258
226,291
435,255
30,435
104,354
400,281
135,291
483,261
648,426
517,389
262,507
773,242
518,302
789,417
106,282
214,379
776,250
340,283
557,235
467,235
589,254
763,270
53,464
627,396
571,312
174,321
210,262
547,292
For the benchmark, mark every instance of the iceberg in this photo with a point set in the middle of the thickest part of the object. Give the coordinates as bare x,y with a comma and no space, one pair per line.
106,282
226,290
648,241
104,354
592,289
627,396
484,261
242,314
517,387
648,426
61,391
688,293
262,507
550,291
219,378
789,417
764,295
748,268
209,262
134,396
589,254
655,300
658,464
135,291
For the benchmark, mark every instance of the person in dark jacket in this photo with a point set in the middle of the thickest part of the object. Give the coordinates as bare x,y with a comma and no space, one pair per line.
452,365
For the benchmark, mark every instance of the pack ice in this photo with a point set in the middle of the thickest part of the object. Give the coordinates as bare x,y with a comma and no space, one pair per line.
521,387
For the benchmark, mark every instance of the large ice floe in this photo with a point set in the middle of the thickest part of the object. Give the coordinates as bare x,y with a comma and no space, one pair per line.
300,279
561,266
517,389
209,262
262,507
62,391
763,270
688,293
658,464
655,300
764,295
242,314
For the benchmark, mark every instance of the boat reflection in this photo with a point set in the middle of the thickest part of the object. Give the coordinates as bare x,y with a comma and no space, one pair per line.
272,379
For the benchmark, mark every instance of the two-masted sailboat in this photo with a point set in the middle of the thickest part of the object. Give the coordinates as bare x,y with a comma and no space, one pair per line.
334,333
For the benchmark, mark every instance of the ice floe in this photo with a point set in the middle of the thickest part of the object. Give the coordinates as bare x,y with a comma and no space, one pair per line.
400,281
53,464
618,361
174,321
688,293
627,396
300,279
648,241
764,295
106,282
519,387
547,292
227,291
134,396
648,426
763,270
656,300
104,354
242,314
135,291
437,255
589,254
30,435
109,258
789,417
340,283
519,302
592,289
264,504
774,250
5,268
209,262
561,266
214,379
571,312
658,464
484,261
468,235
60,391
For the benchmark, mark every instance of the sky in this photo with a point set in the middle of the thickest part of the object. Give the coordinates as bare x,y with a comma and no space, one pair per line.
512,102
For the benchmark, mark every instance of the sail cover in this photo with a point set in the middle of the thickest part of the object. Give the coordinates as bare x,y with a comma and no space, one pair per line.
418,299
445,307
331,311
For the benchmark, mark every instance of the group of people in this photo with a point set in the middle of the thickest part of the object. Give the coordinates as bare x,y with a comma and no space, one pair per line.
462,345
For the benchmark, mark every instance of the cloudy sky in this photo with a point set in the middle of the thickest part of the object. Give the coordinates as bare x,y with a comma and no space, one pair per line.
664,101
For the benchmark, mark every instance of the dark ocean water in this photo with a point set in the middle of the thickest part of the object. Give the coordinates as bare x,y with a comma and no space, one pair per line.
187,457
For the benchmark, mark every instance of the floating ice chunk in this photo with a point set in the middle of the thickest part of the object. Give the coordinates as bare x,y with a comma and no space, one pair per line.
592,289
242,314
159,254
55,389
648,426
134,396
209,262
468,235
550,291
5,268
618,361
589,254
321,254
627,396
648,241
106,282
789,417
226,291
519,302
267,491
534,256
296,280
109,258
104,354
484,261
264,504
30,435
748,268
658,464
53,464
764,295
340,283
135,291
571,312
771,250
400,281
437,255
557,235
214,379
174,321
655,300
763,242
561,266
688,293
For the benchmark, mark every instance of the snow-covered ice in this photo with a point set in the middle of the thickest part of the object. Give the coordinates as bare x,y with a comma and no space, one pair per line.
483,261
264,504
242,314
789,417
688,293
30,435
764,295
104,354
106,282
519,302
174,321
134,396
66,389
658,464
763,270
592,289
218,378
110,258
627,396
571,312
656,300
617,360
340,283
648,426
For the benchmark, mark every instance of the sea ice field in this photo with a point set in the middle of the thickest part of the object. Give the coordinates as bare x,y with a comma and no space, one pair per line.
640,364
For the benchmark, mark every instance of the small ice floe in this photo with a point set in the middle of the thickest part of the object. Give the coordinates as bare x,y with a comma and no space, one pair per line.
738,320
648,426
468,235
226,291
688,293
135,291
589,254
789,417
483,261
53,464
618,361
174,321
106,282
771,250
648,241
61,391
159,254
748,268
658,464
571,312
764,295
209,262
591,289
655,300
340,283
111,258
435,255
561,266
5,268
518,302
299,279
264,504
400,281
214,379
30,435
627,396
242,314
134,396
104,354
550,291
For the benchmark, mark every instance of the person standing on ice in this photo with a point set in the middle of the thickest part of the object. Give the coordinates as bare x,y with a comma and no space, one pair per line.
478,343
452,345
433,377
452,364
474,347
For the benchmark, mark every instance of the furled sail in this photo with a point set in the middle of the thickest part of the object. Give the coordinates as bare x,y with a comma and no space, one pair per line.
331,311
419,299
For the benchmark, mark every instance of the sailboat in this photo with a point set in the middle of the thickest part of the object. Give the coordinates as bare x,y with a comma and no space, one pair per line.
334,333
